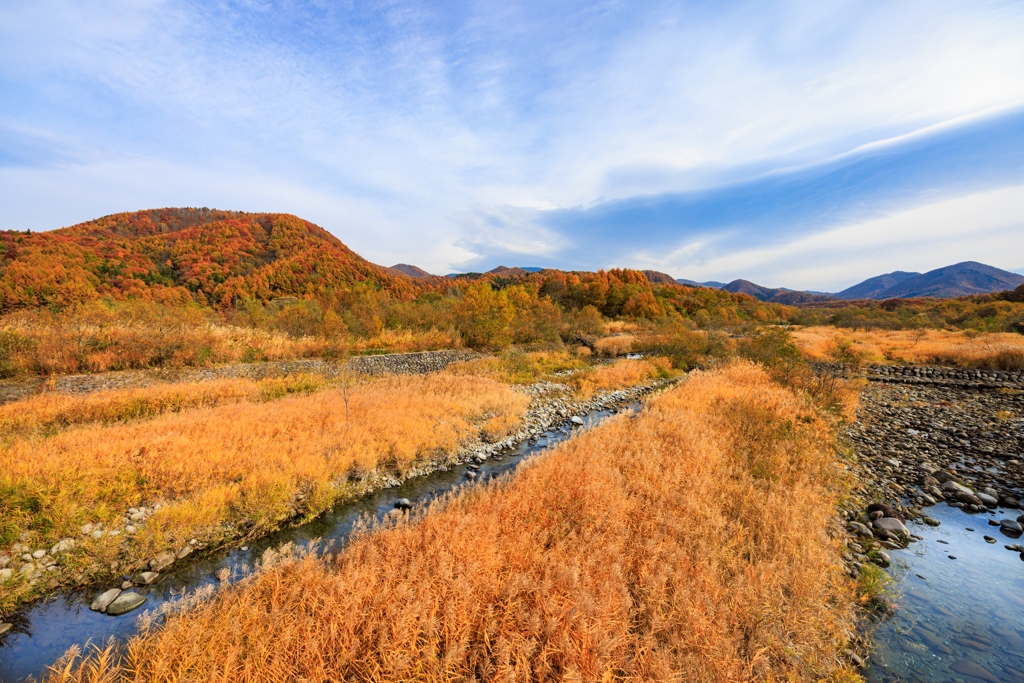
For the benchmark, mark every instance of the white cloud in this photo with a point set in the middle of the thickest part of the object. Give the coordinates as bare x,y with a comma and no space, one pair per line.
986,227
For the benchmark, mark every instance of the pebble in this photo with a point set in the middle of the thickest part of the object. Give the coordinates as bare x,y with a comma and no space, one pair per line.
989,539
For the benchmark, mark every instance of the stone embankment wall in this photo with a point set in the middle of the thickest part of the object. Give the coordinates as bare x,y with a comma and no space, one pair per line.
929,375
393,363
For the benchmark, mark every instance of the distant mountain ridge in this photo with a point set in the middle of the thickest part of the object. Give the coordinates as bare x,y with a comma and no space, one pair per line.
960,279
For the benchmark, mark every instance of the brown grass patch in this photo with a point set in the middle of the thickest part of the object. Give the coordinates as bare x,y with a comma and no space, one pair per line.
247,464
968,349
53,410
690,543
618,345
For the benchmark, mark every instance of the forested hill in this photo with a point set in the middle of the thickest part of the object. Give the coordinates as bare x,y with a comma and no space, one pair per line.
178,255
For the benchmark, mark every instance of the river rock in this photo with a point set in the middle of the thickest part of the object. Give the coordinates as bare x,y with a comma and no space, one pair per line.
403,504
881,558
104,599
4,628
989,501
1011,526
161,561
930,521
39,554
183,553
577,421
146,578
968,498
858,528
892,525
969,668
5,574
124,603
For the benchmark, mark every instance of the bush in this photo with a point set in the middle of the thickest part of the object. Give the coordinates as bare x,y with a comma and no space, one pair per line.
614,346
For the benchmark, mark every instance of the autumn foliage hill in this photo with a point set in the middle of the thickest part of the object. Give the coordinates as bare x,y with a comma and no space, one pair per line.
182,255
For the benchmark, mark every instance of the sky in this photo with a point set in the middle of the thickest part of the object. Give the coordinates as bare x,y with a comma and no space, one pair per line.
808,145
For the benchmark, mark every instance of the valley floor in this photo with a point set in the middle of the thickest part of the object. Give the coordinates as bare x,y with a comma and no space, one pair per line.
696,540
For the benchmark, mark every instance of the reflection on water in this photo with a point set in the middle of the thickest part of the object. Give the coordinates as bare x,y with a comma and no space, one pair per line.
956,619
45,630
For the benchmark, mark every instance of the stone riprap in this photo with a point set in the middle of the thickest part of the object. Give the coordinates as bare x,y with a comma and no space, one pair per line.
928,375
392,363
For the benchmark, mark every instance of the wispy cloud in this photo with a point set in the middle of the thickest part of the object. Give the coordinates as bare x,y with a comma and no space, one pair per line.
466,134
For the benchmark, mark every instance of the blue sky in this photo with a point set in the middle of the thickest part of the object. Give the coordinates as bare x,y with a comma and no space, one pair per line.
799,144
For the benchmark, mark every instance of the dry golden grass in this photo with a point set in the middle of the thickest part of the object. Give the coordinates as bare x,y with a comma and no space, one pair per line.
618,345
248,464
618,375
996,350
688,544
519,367
54,410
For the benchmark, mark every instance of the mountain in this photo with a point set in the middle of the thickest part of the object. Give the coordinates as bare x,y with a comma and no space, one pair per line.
713,284
874,286
213,257
411,271
960,279
659,277
777,296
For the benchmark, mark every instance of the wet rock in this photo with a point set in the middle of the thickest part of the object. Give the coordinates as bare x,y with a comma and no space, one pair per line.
146,578
577,421
124,603
881,558
403,504
1011,527
103,600
161,561
4,628
185,551
989,539
125,585
930,521
969,668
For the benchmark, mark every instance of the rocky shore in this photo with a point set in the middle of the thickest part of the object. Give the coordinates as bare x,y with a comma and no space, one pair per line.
552,406
925,438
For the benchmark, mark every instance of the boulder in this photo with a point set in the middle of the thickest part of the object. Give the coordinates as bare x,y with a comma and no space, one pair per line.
968,498
183,553
124,603
103,600
859,529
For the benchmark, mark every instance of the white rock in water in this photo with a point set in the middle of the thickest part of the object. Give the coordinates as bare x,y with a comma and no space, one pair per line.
892,524
104,599
577,420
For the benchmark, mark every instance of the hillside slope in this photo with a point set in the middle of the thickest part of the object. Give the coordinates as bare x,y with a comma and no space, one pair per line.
874,286
213,257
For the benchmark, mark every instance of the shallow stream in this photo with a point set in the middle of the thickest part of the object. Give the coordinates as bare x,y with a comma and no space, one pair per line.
956,619
45,630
